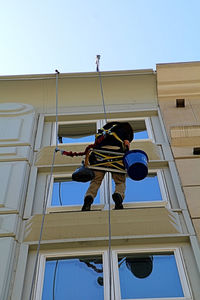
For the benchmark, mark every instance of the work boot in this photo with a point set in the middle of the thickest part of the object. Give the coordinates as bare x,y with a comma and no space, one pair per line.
117,198
87,203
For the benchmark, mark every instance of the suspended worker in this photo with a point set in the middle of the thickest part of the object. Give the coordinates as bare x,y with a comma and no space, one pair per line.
117,138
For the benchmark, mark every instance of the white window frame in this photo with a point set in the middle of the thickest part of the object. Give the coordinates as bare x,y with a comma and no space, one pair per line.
115,286
68,254
101,122
163,190
106,192
181,268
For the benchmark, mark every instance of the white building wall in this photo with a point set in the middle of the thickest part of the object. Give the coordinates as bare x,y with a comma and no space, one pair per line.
17,123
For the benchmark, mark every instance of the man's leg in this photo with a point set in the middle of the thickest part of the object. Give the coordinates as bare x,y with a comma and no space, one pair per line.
93,189
120,186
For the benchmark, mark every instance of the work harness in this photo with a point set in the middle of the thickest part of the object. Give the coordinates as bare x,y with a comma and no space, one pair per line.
97,158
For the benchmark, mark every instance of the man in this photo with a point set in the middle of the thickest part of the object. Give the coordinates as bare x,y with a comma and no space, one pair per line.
117,138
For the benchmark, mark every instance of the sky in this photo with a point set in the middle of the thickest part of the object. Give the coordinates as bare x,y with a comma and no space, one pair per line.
39,36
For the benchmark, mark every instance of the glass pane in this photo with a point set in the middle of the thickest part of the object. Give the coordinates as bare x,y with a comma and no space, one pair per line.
141,135
73,279
83,139
70,193
76,132
147,189
153,276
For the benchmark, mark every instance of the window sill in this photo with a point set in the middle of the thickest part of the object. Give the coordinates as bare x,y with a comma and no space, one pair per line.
99,207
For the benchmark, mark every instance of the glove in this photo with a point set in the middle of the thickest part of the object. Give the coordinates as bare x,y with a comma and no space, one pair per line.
61,151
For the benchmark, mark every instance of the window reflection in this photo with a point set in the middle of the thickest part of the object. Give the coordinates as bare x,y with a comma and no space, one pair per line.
83,139
75,279
152,276
144,190
68,193
76,132
140,135
147,189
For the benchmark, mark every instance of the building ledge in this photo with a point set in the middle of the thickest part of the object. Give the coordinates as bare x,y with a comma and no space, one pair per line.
94,224
45,155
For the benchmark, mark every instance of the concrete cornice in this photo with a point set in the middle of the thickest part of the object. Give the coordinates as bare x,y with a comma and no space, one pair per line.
79,75
179,88
178,79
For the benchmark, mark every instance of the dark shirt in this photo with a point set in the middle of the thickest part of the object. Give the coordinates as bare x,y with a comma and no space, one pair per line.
122,129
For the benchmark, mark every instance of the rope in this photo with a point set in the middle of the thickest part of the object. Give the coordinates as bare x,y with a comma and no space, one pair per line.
109,215
45,201
109,244
102,96
57,73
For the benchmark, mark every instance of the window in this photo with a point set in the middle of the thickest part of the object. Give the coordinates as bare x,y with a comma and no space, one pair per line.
73,278
84,131
140,129
77,132
157,274
69,193
147,190
149,276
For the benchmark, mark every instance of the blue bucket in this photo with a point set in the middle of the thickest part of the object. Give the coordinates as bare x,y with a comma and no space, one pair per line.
136,164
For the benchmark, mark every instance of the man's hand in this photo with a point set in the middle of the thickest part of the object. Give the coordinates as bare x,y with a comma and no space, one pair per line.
61,151
126,144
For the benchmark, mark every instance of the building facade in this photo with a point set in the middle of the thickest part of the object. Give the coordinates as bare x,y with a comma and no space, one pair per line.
148,250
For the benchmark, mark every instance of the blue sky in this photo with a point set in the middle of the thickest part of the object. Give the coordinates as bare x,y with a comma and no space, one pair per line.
39,36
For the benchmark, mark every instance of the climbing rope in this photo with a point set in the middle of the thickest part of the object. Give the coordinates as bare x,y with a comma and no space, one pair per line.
109,192
101,86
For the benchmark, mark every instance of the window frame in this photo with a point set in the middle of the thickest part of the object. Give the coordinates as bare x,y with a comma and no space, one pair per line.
163,190
68,254
104,194
100,123
181,268
115,286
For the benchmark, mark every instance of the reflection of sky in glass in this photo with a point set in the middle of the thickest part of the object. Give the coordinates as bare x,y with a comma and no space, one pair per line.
71,193
91,138
144,190
164,280
141,135
74,280
84,139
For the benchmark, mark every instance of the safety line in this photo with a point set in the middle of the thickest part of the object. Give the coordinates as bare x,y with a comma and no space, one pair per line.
102,96
109,243
45,201
109,214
